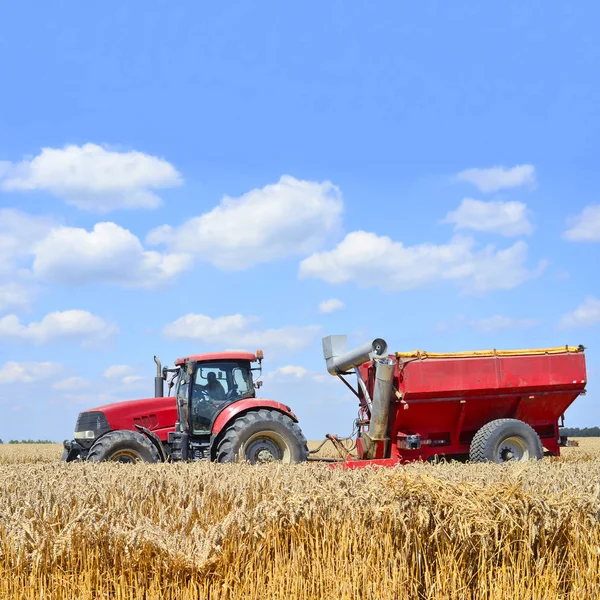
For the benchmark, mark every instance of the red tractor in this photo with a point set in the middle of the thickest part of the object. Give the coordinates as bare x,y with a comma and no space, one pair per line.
214,415
495,406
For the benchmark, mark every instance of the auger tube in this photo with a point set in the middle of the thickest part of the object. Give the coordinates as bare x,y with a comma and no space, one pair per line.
340,360
382,394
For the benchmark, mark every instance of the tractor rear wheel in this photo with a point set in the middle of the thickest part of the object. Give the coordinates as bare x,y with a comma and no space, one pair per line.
261,436
506,440
123,446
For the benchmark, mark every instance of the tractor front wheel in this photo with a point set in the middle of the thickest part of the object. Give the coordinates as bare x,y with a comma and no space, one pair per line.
123,446
262,436
506,440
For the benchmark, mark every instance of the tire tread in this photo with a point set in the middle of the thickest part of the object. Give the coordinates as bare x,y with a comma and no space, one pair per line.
478,444
226,445
101,448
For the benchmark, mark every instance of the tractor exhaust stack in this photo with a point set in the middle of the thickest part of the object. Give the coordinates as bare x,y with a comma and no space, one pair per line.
159,390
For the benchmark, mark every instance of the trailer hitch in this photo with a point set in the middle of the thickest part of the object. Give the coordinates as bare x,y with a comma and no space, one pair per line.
335,440
337,443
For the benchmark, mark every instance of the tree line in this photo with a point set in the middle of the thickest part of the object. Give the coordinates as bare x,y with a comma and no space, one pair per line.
29,442
578,432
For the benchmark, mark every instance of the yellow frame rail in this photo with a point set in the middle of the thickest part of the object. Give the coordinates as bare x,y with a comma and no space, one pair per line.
479,353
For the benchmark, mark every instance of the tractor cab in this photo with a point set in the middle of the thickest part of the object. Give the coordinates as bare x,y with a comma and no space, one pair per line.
206,384
220,418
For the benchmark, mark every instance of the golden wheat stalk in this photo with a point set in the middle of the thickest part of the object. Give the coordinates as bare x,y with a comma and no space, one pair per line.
302,531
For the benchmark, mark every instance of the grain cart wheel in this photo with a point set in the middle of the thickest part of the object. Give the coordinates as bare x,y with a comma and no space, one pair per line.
261,436
124,447
505,440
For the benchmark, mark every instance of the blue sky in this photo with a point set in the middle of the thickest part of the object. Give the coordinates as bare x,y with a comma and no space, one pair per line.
188,177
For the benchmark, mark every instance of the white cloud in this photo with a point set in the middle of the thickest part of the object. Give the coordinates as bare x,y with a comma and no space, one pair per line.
331,305
27,372
292,371
69,324
71,384
132,380
586,314
19,232
295,374
506,218
16,296
93,177
117,371
237,331
498,178
287,218
500,322
491,270
322,402
123,374
584,227
370,260
107,254
118,383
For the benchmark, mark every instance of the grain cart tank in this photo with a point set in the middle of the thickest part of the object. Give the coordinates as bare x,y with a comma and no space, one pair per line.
495,406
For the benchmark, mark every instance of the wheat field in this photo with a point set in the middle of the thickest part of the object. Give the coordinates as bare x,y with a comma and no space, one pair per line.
446,531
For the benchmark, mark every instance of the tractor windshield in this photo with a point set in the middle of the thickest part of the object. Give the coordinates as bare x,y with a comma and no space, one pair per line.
216,384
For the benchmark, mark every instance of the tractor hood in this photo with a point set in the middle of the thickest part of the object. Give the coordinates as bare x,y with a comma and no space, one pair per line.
157,414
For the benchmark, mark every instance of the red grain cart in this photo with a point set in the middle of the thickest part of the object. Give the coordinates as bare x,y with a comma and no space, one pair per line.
492,405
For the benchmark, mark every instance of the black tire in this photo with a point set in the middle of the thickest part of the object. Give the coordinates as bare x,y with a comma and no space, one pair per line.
125,447
506,440
262,436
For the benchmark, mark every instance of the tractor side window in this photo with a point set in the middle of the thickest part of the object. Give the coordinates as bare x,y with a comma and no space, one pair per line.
182,387
241,381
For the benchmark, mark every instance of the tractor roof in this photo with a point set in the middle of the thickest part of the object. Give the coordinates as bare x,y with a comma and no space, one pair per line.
218,356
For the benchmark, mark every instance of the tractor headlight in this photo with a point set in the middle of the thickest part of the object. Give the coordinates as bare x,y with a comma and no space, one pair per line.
84,435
